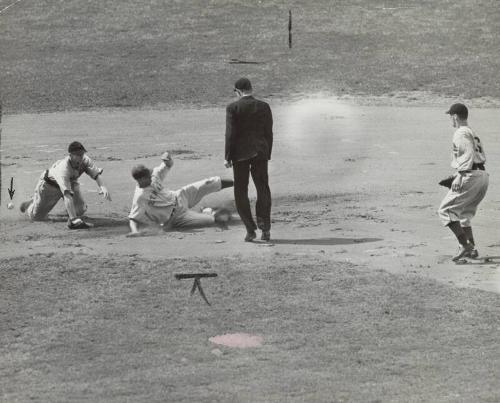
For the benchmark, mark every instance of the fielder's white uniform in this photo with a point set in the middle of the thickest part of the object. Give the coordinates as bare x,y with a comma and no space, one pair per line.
155,204
468,158
61,177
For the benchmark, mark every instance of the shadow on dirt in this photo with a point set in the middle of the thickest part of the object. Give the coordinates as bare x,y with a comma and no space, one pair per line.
97,222
325,241
109,222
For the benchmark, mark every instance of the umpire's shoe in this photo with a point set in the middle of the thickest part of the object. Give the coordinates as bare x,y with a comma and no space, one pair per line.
266,236
78,223
250,236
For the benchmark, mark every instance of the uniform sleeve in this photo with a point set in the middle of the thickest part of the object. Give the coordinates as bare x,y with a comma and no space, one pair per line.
90,168
138,212
160,172
463,152
61,172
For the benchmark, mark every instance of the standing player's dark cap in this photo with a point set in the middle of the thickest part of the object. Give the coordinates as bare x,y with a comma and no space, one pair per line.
243,84
458,109
76,147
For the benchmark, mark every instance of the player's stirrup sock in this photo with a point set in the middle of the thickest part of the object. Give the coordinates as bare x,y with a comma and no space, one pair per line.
458,231
226,183
468,234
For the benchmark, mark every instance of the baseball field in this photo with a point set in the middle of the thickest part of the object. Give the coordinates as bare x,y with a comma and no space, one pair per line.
354,300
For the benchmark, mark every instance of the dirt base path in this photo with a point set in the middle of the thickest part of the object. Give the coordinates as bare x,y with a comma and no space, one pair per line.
352,183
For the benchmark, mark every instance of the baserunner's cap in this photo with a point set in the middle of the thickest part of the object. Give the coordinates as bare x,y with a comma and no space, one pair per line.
76,147
140,171
458,109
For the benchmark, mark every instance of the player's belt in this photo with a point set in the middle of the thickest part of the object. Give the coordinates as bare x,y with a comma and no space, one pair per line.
174,207
478,167
48,180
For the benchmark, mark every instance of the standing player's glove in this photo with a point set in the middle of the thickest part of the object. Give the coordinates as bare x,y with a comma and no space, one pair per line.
446,182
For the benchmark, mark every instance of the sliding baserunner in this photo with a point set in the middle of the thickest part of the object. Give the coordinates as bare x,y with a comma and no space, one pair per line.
154,204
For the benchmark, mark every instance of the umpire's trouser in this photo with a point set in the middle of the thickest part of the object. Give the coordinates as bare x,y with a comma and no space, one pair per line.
258,169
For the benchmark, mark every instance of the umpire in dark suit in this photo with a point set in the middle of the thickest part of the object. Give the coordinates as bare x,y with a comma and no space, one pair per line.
249,141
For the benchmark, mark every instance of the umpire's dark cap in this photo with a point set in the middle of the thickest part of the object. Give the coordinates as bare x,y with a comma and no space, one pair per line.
458,109
76,147
140,171
243,84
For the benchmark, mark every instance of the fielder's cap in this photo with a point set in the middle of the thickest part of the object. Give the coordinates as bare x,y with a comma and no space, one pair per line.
458,109
243,84
76,147
140,171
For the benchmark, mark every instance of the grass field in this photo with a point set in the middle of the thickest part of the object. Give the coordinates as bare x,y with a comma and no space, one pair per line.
120,53
332,333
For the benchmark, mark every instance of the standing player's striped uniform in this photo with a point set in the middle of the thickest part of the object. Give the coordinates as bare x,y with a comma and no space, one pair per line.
468,158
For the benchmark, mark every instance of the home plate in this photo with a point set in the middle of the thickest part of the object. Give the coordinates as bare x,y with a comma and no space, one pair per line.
238,340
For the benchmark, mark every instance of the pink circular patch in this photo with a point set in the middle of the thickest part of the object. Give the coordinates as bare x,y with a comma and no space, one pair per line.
240,340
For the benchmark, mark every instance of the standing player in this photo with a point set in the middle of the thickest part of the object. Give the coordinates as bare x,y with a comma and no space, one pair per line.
469,185
154,204
61,181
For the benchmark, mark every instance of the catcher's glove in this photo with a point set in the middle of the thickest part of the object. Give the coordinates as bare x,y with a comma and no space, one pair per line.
446,182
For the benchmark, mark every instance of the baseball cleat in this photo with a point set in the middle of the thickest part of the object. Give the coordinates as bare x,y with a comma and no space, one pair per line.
250,236
78,223
473,254
24,205
463,250
266,236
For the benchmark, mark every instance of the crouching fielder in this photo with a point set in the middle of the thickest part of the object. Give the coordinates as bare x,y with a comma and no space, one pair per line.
61,182
154,204
469,185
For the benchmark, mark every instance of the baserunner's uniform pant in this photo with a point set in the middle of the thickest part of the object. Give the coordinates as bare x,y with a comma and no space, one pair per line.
188,197
46,197
461,206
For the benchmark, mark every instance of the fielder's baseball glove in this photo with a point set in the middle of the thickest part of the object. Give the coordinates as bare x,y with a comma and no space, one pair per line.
446,182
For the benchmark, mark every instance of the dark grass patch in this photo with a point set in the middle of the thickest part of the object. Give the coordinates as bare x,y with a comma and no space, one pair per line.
106,328
80,55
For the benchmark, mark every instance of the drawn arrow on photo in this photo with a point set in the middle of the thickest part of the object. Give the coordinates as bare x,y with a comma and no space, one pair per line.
11,189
